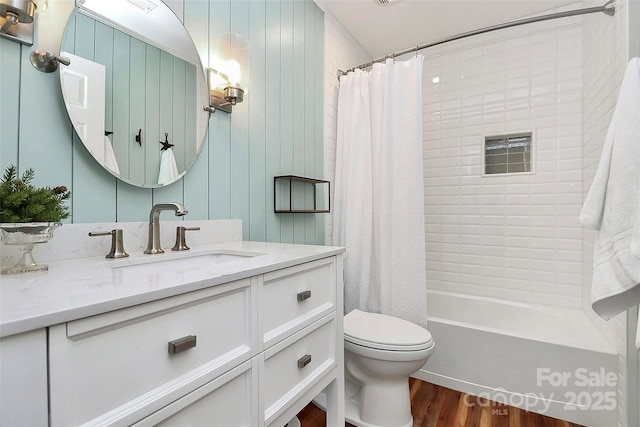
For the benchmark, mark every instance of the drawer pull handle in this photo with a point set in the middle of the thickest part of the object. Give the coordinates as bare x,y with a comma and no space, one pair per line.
304,295
182,344
304,361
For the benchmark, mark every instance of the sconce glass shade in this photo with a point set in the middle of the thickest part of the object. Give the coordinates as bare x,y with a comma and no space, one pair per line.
16,22
229,72
41,5
232,57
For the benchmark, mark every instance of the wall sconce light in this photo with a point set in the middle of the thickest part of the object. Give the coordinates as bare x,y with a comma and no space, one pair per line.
17,20
225,76
223,95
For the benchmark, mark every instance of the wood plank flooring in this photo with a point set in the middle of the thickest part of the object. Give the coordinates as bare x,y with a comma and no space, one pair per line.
435,406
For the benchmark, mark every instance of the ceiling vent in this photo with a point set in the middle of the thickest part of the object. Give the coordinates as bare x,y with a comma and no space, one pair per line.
386,2
144,5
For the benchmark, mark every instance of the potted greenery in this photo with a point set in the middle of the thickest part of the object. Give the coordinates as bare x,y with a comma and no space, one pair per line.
28,215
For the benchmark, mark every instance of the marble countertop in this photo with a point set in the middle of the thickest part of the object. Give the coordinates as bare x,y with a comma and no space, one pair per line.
77,288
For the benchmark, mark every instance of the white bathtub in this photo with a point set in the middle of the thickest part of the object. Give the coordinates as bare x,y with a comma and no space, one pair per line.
544,359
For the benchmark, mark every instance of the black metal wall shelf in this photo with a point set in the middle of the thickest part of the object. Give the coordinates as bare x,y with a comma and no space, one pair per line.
283,179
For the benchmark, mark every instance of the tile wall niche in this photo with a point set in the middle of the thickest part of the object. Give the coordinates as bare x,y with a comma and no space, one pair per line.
517,236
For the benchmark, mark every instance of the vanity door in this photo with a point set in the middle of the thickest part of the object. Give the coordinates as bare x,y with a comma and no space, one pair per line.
23,388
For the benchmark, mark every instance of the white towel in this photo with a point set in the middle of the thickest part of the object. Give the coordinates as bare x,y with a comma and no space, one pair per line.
110,161
168,169
613,206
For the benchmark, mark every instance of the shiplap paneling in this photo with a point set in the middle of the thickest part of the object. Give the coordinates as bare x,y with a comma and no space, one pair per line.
196,183
10,89
319,112
287,67
276,130
257,107
298,145
240,132
137,108
121,116
45,133
272,125
219,125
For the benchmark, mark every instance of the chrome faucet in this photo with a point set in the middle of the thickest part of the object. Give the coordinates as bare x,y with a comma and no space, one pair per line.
153,246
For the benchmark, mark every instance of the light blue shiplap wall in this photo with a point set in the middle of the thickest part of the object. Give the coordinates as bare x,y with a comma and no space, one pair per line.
276,130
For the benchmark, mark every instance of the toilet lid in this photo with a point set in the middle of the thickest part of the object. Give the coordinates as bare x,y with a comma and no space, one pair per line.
384,332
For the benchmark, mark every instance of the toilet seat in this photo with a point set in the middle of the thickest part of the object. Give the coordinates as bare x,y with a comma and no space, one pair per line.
379,331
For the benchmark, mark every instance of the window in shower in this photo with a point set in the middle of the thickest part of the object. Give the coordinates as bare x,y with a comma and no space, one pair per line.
507,154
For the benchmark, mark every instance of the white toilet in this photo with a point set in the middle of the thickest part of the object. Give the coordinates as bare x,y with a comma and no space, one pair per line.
380,353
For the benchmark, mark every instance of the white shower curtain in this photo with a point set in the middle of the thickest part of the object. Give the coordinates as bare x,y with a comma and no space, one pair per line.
379,194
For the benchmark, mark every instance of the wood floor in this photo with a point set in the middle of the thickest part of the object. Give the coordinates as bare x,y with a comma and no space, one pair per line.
434,406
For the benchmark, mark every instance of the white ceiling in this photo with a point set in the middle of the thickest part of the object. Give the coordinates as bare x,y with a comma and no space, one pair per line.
402,24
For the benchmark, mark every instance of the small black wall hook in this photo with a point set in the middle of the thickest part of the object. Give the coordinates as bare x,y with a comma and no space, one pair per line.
165,144
139,137
107,133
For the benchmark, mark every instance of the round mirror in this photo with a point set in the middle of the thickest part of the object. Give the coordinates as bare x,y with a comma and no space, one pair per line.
135,89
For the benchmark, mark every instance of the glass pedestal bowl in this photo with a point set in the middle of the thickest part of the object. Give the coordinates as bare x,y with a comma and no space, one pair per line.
26,235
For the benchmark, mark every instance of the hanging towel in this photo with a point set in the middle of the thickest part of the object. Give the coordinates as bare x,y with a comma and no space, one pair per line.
168,169
110,161
612,206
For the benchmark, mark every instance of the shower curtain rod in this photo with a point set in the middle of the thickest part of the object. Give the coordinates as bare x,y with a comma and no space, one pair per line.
609,8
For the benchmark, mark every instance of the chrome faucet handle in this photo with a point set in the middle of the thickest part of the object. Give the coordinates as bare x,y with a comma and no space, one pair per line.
117,247
181,242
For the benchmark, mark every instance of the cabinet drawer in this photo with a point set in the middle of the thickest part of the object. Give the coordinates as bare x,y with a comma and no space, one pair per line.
294,365
293,298
230,400
120,362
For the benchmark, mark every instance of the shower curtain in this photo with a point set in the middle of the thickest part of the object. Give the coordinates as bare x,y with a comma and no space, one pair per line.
379,193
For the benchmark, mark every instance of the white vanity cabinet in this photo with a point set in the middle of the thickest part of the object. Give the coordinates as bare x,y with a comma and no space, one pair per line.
116,368
299,326
250,352
23,385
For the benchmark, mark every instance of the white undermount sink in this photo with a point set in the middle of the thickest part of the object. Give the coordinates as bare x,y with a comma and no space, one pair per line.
183,260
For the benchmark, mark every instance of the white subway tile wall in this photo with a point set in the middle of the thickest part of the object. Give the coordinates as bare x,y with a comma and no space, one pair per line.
515,237
605,57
